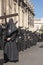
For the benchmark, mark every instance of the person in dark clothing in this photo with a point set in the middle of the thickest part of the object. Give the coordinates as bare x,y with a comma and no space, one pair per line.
10,47
1,45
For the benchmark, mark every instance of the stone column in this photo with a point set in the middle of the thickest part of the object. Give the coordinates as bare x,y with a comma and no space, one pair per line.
0,7
21,14
0,10
27,18
24,19
3,8
13,9
17,17
7,8
33,20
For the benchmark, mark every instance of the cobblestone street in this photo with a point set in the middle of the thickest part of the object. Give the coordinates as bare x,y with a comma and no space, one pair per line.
32,56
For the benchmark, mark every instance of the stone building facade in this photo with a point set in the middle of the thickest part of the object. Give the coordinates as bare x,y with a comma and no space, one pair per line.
24,8
38,23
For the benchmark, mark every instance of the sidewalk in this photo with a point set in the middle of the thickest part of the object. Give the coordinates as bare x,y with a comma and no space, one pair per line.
32,56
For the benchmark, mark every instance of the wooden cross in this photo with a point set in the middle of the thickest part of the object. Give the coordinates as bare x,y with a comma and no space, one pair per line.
7,16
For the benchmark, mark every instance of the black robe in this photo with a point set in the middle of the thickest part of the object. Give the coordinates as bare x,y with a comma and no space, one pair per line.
10,49
1,45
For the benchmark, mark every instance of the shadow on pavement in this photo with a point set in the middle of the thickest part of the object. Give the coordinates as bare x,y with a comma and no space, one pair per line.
41,46
1,61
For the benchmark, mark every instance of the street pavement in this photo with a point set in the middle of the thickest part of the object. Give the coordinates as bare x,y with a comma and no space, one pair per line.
31,56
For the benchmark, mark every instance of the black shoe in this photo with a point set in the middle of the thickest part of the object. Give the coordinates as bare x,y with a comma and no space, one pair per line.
15,61
5,61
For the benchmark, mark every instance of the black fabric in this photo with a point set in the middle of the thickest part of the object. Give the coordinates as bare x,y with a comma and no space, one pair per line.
10,49
11,27
1,47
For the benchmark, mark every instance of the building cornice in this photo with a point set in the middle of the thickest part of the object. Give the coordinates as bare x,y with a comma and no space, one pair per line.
26,4
31,11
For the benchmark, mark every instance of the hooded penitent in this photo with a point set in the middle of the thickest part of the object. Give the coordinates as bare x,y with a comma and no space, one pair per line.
10,49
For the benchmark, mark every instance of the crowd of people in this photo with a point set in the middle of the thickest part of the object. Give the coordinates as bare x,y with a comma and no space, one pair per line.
13,40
